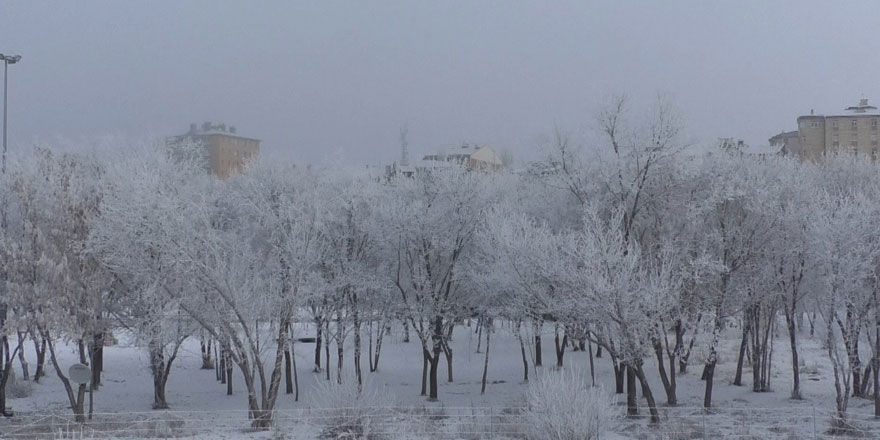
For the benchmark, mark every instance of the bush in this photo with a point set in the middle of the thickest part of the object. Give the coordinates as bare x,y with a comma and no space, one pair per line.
19,389
349,413
562,406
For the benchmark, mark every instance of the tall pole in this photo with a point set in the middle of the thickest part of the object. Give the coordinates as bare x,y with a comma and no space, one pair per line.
7,60
5,89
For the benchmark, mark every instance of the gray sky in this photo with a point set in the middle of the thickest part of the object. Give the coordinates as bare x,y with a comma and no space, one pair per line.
322,80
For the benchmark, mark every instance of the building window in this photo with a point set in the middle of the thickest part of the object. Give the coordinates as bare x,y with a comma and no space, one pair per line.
834,137
834,124
855,123
835,144
814,124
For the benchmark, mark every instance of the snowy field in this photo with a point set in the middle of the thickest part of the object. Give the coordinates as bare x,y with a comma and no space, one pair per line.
200,407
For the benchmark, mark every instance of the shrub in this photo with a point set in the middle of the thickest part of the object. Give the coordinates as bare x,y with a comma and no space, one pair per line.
349,413
562,406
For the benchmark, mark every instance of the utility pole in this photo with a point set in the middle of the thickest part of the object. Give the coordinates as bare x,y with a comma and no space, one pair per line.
7,60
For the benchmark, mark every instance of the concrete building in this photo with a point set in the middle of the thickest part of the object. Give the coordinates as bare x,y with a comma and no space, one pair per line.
855,132
788,143
225,152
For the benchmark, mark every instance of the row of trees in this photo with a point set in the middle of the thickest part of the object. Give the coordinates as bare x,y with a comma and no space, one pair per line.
639,247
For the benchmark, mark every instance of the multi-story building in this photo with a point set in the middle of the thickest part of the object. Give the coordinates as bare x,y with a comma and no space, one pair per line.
225,152
855,132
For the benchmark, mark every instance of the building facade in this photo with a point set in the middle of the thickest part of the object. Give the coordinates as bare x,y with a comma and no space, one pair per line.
855,132
225,152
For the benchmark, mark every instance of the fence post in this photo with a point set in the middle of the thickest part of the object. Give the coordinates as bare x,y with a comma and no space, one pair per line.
814,422
703,412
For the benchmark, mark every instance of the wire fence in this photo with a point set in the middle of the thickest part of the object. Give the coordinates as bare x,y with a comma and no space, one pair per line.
437,422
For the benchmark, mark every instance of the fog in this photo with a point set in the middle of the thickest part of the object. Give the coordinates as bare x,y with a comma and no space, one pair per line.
335,81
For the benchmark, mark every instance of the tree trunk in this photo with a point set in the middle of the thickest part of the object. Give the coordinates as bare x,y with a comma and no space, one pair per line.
222,365
737,379
40,349
437,340
97,356
207,360
522,349
295,375
425,356
710,375
228,375
25,374
486,360
668,386
619,374
288,380
560,347
592,367
649,396
357,350
318,334
538,327
795,363
632,402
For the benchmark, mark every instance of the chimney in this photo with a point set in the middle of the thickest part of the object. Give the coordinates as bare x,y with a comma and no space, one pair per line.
863,102
206,126
232,129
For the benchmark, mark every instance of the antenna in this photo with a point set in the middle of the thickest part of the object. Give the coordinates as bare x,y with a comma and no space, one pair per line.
404,146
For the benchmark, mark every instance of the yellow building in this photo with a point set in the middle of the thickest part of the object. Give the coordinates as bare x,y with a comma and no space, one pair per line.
855,132
226,153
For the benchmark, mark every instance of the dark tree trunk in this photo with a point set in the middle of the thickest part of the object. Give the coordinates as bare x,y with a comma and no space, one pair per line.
522,349
649,396
97,355
795,363
598,351
632,402
228,375
40,349
619,375
737,379
207,360
288,380
668,385
318,341
25,373
560,347
538,327
437,340
486,360
221,364
710,375
425,356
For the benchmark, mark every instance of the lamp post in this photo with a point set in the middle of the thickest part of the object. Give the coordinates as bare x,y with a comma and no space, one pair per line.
7,60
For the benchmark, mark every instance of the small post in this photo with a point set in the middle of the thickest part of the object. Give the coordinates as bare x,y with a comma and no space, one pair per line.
814,423
704,423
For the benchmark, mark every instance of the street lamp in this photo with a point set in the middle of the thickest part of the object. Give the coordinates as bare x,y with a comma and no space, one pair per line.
7,60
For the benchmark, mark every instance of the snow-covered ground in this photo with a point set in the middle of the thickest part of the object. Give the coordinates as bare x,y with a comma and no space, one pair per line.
201,408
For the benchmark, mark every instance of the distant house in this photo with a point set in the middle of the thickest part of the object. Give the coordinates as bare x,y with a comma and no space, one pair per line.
480,158
474,157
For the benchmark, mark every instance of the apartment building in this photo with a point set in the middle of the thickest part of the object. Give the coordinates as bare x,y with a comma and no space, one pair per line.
225,152
854,132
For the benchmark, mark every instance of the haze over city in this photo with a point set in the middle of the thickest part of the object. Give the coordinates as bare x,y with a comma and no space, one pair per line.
335,81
